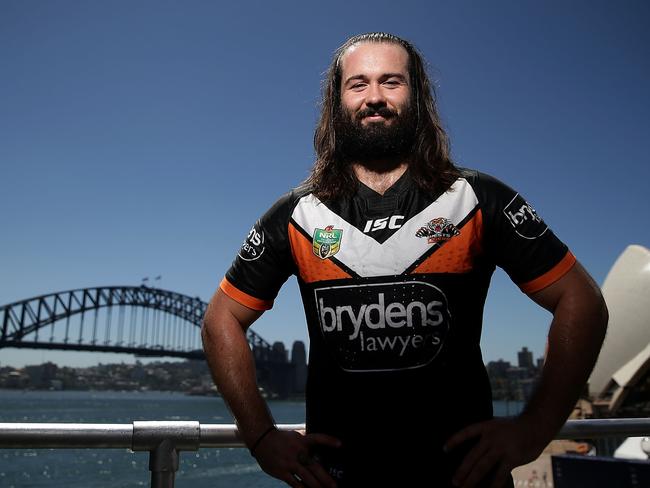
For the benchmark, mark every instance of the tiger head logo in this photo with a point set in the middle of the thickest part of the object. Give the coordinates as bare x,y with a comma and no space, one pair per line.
438,230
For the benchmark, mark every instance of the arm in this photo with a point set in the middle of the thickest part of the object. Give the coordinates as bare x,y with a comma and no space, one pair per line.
575,337
577,332
233,370
232,364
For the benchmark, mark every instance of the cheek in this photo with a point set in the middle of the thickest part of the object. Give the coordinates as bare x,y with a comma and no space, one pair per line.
351,103
399,102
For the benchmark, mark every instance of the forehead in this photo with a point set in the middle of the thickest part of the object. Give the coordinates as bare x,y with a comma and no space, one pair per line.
374,58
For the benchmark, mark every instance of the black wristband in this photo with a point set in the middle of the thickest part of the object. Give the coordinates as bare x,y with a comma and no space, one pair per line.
259,439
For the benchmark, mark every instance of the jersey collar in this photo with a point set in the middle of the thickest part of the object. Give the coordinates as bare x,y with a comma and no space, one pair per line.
376,203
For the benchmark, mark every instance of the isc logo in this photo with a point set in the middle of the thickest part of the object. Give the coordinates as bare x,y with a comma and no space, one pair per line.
394,222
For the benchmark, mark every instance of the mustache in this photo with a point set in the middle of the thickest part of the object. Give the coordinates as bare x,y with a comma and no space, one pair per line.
382,111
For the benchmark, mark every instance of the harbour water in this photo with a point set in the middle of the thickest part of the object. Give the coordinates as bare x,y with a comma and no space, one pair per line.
113,468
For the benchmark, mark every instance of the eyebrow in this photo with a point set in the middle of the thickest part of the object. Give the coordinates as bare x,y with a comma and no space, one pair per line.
385,76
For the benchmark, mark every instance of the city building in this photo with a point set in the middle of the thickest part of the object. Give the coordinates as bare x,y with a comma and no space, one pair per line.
525,359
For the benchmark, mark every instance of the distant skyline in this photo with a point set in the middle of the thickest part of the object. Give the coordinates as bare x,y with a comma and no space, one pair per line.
145,138
110,358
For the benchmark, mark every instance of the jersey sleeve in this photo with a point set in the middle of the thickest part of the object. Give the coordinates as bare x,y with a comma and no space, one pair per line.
264,261
517,238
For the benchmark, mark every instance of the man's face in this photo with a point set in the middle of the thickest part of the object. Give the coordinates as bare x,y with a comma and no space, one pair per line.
375,120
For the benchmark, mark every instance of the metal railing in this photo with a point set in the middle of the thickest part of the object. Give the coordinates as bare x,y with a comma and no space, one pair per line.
164,440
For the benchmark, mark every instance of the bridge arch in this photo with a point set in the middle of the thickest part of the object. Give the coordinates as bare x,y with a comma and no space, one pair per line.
164,317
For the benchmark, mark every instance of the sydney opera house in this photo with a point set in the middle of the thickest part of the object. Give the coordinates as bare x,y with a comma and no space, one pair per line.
620,382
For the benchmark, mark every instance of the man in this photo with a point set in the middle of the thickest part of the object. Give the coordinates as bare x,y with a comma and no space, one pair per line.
393,248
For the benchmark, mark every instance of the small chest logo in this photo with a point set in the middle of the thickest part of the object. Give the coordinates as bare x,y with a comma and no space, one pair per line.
327,241
393,223
438,230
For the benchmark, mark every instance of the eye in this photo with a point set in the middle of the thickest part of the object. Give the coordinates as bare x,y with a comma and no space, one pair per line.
392,83
358,86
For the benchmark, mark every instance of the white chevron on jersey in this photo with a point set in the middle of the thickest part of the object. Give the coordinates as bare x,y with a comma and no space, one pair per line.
367,257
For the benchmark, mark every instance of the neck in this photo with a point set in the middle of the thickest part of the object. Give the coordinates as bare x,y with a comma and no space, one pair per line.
379,180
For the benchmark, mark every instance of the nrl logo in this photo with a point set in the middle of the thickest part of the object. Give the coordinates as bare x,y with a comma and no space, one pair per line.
438,230
327,241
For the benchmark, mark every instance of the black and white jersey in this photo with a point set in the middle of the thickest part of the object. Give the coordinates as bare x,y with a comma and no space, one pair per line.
393,288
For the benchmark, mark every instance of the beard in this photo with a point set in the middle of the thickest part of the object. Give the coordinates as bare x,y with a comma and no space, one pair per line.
377,141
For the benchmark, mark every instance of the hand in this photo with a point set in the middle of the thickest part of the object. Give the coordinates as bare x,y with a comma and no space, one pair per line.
501,445
287,456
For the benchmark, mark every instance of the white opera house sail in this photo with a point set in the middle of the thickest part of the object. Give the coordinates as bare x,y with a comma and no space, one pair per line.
620,381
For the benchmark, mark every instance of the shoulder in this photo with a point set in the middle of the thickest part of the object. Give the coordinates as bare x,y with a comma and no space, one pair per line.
284,206
492,194
483,182
498,201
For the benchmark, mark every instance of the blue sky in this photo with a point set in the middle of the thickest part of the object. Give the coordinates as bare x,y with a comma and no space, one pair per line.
144,138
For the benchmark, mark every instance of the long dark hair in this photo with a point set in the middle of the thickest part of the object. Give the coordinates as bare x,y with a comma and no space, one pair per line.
429,162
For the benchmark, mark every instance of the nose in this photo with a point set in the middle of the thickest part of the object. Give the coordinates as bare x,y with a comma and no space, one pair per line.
375,96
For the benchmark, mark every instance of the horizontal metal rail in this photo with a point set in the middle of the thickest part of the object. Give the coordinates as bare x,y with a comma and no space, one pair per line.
164,440
597,428
138,436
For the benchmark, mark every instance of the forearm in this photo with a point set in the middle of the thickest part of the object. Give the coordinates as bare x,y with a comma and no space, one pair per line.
575,337
232,366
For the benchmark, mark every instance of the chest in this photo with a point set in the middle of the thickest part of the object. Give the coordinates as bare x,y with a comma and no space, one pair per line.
394,236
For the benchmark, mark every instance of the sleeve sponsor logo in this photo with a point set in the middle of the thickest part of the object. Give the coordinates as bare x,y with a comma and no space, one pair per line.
438,230
524,219
327,242
383,326
253,246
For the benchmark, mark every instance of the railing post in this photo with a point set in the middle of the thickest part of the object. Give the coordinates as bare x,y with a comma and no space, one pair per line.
163,464
164,440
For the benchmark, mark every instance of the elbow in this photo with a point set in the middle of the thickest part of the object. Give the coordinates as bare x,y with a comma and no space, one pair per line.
604,315
206,333
600,317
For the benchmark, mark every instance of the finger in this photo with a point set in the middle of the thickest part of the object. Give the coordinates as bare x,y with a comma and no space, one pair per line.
307,477
500,477
481,469
469,461
291,480
322,475
461,436
322,439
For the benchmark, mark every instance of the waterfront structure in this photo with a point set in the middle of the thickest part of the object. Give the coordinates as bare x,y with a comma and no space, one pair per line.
620,381
278,377
138,320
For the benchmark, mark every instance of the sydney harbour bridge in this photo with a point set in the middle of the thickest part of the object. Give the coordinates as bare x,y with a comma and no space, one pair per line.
138,320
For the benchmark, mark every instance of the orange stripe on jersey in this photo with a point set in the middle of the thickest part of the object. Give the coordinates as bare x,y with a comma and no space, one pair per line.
457,254
244,298
551,276
310,267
